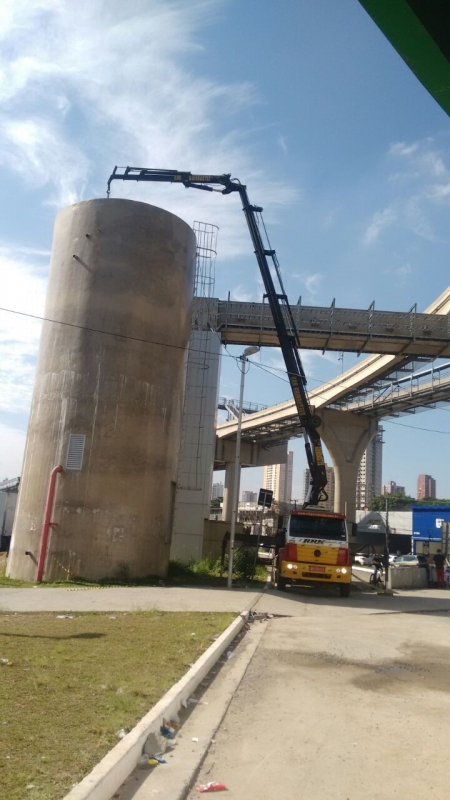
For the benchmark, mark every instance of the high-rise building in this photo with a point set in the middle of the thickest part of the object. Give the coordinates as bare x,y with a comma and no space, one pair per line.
392,488
368,482
249,497
278,478
328,505
217,491
426,487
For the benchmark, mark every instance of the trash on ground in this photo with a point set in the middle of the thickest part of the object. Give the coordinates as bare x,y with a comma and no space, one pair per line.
5,661
155,744
192,701
112,617
184,704
64,616
122,733
173,722
230,654
212,786
195,738
167,732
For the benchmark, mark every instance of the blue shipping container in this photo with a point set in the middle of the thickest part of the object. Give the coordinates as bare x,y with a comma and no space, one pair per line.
427,522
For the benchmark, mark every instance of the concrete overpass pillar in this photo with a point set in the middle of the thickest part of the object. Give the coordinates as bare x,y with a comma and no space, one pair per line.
346,436
227,508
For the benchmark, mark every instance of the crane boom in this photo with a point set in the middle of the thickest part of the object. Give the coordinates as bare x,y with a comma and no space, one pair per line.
278,302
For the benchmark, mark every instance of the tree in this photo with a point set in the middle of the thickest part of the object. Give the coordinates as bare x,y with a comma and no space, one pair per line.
395,502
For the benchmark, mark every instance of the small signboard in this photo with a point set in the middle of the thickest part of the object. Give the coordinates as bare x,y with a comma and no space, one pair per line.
265,497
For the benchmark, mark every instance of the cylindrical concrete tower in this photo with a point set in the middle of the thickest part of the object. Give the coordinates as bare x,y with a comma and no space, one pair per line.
108,395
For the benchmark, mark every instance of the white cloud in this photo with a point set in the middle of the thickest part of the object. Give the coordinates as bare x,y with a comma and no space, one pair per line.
126,70
417,220
379,222
36,150
440,191
242,294
23,290
11,451
312,282
423,161
282,143
403,149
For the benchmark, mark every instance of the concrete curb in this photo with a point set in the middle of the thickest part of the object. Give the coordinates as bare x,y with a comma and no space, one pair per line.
109,774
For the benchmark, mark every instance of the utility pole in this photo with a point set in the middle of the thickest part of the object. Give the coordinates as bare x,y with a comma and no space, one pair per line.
249,351
386,546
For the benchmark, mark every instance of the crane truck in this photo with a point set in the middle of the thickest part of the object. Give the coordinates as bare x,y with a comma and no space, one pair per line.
300,560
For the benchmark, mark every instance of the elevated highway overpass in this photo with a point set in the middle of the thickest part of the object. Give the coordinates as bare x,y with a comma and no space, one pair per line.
329,328
350,406
281,420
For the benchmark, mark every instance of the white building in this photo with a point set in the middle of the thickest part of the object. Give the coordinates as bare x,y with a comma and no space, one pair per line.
217,491
278,478
368,482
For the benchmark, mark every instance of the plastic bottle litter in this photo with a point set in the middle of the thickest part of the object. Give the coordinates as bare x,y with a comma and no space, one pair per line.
230,654
122,733
212,786
167,732
64,616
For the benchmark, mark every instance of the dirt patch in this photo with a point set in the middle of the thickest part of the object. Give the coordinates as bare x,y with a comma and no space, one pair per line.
418,667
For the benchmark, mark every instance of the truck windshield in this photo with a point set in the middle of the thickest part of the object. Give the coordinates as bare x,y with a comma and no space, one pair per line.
317,528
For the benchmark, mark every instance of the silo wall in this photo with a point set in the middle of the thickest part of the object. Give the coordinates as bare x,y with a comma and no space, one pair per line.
110,372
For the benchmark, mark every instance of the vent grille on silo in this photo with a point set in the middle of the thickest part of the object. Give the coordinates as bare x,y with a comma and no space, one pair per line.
76,451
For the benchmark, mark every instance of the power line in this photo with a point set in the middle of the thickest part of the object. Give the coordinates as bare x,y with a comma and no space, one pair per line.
266,368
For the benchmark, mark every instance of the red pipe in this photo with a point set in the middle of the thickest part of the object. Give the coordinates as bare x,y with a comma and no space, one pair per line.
47,523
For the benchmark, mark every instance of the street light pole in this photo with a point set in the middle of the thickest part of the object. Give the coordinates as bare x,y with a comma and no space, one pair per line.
249,351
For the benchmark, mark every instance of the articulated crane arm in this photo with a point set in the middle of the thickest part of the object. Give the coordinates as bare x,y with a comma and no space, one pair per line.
279,305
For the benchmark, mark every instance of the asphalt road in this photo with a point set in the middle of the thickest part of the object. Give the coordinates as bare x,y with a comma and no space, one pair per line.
342,700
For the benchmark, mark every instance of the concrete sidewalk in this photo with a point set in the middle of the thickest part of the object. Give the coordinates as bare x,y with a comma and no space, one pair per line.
295,603
334,705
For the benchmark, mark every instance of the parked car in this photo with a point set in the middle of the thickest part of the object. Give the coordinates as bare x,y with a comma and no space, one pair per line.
406,561
363,559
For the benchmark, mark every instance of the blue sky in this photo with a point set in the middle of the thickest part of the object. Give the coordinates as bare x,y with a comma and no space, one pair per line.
305,102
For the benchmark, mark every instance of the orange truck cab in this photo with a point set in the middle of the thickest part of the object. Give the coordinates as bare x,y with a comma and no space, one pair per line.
316,551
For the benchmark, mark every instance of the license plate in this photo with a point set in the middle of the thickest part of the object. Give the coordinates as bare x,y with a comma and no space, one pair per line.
317,569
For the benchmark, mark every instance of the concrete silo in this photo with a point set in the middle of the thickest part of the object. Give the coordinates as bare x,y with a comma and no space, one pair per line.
108,394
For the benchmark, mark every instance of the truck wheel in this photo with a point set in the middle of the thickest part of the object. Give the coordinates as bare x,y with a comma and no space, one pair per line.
344,590
281,583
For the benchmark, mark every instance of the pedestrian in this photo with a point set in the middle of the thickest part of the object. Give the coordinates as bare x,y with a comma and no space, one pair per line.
377,561
439,560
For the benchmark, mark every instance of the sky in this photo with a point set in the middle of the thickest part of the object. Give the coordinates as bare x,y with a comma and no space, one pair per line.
307,103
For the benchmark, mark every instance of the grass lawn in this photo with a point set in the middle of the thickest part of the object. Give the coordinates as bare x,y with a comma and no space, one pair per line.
201,573
68,685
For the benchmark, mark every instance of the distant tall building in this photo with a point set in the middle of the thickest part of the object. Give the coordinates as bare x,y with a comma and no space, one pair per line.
328,505
392,488
368,482
426,487
278,478
217,491
249,497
